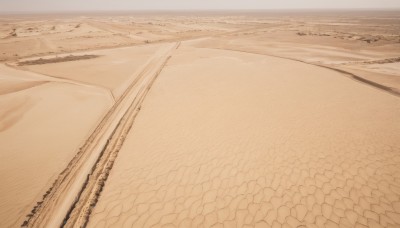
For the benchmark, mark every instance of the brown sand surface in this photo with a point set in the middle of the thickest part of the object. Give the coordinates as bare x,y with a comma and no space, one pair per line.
257,118
250,140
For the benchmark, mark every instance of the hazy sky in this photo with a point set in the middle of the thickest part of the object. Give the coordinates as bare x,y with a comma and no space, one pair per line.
67,5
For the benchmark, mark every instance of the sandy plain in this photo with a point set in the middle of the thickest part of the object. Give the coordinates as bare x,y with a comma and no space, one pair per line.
225,119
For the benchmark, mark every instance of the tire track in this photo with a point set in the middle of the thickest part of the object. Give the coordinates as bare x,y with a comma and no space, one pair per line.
74,193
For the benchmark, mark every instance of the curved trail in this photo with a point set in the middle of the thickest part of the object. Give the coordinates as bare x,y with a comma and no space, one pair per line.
346,73
74,193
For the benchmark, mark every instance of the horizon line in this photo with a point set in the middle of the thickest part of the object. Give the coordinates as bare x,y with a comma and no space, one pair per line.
195,10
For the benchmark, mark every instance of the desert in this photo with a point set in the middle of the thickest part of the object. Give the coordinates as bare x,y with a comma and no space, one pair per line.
258,118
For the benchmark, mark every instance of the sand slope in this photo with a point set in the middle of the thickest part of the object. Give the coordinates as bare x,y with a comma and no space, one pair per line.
235,139
42,123
113,69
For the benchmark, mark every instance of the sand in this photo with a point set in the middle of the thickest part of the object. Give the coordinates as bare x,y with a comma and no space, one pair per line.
113,69
258,119
243,141
42,125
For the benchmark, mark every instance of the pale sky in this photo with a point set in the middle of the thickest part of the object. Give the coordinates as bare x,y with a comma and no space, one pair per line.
85,5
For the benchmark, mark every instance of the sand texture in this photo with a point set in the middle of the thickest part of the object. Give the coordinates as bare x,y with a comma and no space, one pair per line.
262,150
200,119
42,123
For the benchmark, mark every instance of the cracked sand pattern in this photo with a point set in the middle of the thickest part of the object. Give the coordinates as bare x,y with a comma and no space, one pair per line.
244,142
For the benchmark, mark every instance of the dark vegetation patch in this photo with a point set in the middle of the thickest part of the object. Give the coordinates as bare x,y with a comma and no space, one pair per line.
57,59
383,61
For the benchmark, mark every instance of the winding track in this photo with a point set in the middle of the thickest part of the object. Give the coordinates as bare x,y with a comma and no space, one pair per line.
69,201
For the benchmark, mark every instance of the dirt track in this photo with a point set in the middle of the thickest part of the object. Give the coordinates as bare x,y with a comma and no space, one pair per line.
69,201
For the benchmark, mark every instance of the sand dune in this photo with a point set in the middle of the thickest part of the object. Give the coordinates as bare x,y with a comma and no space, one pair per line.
41,126
211,119
45,116
12,87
